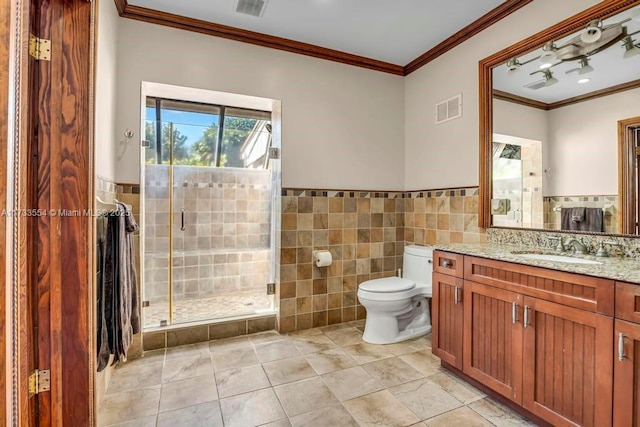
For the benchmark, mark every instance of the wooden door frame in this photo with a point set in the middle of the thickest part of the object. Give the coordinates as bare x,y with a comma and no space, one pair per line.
627,177
14,354
63,250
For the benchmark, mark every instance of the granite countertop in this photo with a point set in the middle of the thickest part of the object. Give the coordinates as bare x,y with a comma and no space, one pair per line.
622,269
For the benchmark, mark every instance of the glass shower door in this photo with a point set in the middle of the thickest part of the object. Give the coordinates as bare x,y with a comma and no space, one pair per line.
207,201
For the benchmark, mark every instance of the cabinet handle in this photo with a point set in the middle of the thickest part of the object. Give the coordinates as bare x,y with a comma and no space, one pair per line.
456,295
526,316
446,263
182,228
514,312
621,354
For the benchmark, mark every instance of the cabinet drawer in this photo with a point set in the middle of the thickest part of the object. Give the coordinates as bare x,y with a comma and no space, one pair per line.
628,302
574,290
448,263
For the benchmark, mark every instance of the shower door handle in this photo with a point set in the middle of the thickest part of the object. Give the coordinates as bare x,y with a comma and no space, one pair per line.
182,228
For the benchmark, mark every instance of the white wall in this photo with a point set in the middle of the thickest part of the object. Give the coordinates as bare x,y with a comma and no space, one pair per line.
583,144
447,155
342,127
105,89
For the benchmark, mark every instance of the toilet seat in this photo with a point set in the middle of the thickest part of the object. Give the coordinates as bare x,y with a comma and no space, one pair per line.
388,284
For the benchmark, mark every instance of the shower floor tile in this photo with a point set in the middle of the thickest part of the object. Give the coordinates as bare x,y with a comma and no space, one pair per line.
208,308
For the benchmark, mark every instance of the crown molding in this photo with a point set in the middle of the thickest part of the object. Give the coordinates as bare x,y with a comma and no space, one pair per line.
595,94
204,27
516,99
143,14
487,20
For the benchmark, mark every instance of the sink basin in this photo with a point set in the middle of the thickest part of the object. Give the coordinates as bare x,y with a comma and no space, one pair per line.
556,258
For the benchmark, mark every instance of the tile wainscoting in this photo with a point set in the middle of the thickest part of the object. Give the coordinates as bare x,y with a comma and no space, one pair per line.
366,233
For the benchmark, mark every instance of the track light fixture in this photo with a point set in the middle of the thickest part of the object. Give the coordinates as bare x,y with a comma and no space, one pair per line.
630,48
550,80
548,56
593,32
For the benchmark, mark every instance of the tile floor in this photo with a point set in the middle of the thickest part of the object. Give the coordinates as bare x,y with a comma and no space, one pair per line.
207,308
318,377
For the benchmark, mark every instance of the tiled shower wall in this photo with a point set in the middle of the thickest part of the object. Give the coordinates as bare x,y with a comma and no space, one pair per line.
552,218
365,233
224,246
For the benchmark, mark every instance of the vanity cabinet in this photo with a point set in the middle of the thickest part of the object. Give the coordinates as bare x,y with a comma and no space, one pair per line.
447,306
626,392
539,337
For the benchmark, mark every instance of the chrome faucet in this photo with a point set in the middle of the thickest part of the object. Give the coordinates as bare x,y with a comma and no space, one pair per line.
578,246
560,245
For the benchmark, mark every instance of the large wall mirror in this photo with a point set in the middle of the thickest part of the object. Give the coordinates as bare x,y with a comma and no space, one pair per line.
559,126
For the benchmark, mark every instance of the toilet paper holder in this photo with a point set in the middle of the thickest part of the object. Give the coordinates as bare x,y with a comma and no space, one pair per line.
322,258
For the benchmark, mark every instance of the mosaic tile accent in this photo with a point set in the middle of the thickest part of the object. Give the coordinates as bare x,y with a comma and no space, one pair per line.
105,186
297,192
627,246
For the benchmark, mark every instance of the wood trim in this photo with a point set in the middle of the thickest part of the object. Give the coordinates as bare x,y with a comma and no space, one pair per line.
627,176
143,14
5,65
500,12
204,27
595,94
600,10
517,99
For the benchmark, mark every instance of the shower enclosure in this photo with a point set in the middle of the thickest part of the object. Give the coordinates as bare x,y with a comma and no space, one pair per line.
207,212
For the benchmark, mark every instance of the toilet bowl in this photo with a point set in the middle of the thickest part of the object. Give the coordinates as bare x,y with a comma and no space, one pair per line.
397,307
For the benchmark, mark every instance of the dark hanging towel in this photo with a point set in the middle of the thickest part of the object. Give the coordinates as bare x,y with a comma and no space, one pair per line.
118,316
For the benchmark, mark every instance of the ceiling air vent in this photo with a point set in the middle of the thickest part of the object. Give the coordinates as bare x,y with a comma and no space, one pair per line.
251,7
449,109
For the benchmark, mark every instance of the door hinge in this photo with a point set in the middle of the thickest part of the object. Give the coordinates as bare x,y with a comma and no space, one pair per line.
40,49
271,288
39,381
274,153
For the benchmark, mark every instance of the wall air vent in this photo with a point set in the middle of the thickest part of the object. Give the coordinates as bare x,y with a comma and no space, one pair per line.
251,7
449,109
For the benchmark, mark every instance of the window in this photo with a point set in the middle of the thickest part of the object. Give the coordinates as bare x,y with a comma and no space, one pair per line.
189,133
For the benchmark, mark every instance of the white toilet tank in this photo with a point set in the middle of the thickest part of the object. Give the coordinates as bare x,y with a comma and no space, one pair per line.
417,264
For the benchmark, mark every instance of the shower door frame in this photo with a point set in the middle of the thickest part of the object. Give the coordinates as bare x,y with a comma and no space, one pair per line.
163,91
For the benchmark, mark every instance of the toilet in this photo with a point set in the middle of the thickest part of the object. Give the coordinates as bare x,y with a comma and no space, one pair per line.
397,307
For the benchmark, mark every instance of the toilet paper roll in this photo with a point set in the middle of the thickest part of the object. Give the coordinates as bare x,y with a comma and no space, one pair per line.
322,258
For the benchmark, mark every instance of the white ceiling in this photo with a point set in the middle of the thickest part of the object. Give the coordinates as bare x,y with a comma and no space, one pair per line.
609,69
394,31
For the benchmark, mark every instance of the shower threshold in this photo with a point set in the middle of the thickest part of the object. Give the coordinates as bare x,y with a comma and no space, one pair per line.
210,309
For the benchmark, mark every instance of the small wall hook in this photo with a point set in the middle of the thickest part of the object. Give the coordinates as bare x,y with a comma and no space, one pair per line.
128,134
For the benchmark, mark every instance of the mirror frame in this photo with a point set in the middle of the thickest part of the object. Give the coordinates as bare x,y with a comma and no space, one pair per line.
577,22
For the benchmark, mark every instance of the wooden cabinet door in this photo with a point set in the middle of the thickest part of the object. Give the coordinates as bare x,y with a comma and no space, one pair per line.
567,364
447,318
493,338
626,389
